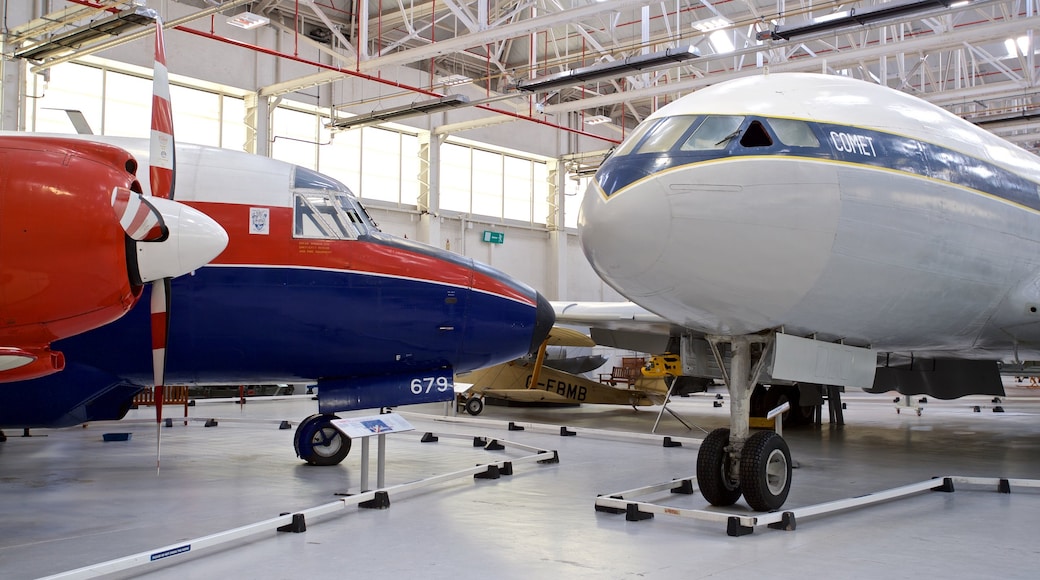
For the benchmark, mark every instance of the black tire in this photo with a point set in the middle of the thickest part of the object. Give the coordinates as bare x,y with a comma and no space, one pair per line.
797,415
712,480
319,443
474,406
765,471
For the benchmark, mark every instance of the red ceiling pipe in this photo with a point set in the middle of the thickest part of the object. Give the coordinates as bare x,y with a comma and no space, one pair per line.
375,79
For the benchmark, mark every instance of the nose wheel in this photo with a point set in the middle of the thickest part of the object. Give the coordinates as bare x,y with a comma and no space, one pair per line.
733,462
318,442
765,470
713,477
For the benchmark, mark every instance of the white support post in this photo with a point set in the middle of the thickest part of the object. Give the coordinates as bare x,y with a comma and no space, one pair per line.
364,465
381,461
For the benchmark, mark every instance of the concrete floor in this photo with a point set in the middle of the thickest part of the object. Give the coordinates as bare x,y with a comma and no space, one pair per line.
69,500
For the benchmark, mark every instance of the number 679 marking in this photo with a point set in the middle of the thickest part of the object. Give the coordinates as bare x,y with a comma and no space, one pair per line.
427,384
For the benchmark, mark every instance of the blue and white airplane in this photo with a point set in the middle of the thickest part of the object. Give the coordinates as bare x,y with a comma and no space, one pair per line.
802,230
308,290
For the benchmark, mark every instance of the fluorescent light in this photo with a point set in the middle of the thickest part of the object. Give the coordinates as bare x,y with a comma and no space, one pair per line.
248,21
597,120
712,24
831,17
455,79
639,62
409,110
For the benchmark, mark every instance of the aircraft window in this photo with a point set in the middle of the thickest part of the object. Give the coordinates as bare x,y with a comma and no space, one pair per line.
714,133
756,136
794,133
634,139
321,214
666,134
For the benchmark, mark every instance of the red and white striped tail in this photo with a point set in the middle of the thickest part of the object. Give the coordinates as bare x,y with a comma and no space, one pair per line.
139,219
161,154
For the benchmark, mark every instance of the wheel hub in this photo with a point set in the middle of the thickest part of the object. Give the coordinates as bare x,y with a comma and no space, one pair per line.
776,472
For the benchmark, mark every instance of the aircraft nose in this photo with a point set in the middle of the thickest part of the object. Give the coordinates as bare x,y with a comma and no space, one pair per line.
544,319
624,236
195,239
722,247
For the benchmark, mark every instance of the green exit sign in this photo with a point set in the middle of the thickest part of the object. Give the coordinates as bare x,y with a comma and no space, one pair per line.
494,237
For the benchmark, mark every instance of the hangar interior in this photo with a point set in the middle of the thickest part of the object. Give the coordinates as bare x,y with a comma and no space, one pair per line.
301,81
475,126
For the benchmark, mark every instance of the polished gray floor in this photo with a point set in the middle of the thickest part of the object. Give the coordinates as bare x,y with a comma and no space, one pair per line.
68,499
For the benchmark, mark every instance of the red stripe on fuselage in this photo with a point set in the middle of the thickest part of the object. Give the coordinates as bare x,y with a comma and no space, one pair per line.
279,248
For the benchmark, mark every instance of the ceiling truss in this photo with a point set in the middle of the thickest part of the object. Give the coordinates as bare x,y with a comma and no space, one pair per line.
978,60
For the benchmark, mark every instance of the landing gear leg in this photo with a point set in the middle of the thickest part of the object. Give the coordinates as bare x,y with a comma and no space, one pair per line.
723,471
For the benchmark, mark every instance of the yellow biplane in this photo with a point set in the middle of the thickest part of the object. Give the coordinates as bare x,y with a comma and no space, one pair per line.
528,381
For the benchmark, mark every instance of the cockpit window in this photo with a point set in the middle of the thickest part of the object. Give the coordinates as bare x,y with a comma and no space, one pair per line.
634,139
326,209
794,133
666,134
320,214
714,133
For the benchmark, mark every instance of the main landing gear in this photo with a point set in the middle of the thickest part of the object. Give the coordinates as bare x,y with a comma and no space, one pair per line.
318,442
732,462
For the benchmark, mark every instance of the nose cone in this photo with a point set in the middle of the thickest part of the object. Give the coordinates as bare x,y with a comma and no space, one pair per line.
544,319
195,239
727,247
624,235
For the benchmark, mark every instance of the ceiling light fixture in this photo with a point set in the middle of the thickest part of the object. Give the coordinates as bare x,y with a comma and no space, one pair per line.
409,110
639,62
104,28
248,21
854,17
712,24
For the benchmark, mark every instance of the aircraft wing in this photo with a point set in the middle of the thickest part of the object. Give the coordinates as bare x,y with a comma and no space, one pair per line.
527,395
623,325
512,381
562,336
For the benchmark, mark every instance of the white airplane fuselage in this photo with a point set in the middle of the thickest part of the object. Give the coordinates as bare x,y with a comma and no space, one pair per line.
824,206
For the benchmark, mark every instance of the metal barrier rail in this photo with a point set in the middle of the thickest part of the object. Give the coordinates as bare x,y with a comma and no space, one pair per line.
296,521
562,430
741,524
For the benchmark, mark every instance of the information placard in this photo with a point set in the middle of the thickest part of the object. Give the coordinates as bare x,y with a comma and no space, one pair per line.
358,427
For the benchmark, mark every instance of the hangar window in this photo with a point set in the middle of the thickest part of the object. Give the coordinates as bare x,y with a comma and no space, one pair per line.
116,102
794,133
714,133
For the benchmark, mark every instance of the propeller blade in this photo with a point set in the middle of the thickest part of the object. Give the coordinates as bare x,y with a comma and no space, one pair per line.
162,154
160,309
141,220
161,159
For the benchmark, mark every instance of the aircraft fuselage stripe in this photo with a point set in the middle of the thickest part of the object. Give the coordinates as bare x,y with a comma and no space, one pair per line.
525,302
845,144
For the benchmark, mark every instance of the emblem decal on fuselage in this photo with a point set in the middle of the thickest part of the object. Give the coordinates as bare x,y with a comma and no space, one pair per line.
259,220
